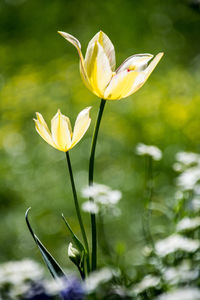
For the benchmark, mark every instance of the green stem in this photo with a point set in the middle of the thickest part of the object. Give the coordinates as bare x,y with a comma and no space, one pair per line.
78,212
91,177
148,196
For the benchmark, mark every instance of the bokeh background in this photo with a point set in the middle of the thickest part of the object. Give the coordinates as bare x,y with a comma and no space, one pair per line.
39,72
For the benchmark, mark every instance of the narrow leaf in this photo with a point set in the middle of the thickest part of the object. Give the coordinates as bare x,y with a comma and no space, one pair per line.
76,240
51,263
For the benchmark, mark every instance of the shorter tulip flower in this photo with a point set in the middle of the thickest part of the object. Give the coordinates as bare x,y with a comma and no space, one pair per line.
61,136
98,68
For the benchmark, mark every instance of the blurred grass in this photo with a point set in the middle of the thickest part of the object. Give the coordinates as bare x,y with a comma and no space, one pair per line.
39,72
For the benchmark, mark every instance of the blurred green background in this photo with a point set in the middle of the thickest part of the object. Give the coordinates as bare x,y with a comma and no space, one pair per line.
39,72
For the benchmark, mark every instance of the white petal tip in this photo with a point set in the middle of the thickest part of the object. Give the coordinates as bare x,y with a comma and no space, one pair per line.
88,108
160,54
37,114
70,38
64,34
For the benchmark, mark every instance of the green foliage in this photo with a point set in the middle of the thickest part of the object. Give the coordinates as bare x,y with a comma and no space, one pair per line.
39,72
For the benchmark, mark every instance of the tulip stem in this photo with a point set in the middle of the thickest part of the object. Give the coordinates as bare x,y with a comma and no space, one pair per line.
78,212
91,178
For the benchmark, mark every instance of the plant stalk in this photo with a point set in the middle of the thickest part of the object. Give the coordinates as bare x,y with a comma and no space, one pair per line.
148,196
91,178
78,212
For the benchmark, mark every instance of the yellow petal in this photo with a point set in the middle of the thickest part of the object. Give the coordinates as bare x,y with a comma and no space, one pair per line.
144,75
70,38
61,131
120,85
107,45
81,125
152,65
135,62
98,68
42,121
43,132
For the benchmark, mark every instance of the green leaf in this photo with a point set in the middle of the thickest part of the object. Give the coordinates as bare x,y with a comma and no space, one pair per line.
51,263
76,240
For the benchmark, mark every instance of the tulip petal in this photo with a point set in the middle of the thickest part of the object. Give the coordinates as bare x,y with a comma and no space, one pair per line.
43,130
120,85
81,125
42,121
70,38
61,131
153,64
107,45
98,68
135,62
144,75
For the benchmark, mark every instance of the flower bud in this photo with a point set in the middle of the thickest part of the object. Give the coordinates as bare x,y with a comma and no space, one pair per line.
74,254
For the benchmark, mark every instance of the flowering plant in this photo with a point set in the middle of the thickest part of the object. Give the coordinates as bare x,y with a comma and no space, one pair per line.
99,75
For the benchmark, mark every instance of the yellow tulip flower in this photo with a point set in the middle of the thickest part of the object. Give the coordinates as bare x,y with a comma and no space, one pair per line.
61,136
98,68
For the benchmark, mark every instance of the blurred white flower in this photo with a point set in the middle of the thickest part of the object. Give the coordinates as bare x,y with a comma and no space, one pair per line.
188,163
197,189
153,151
189,178
19,275
104,199
16,272
147,282
111,197
184,293
53,287
188,224
188,158
90,207
195,204
94,190
174,243
178,167
98,277
102,193
180,274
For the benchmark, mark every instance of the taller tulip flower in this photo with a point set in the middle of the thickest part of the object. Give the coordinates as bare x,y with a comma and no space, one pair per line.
98,68
99,75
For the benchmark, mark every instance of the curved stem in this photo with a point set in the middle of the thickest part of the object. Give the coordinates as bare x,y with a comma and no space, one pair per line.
91,177
78,212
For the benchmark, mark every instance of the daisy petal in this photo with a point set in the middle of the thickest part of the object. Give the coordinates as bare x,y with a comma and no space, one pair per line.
81,125
98,68
135,62
107,45
120,85
61,131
